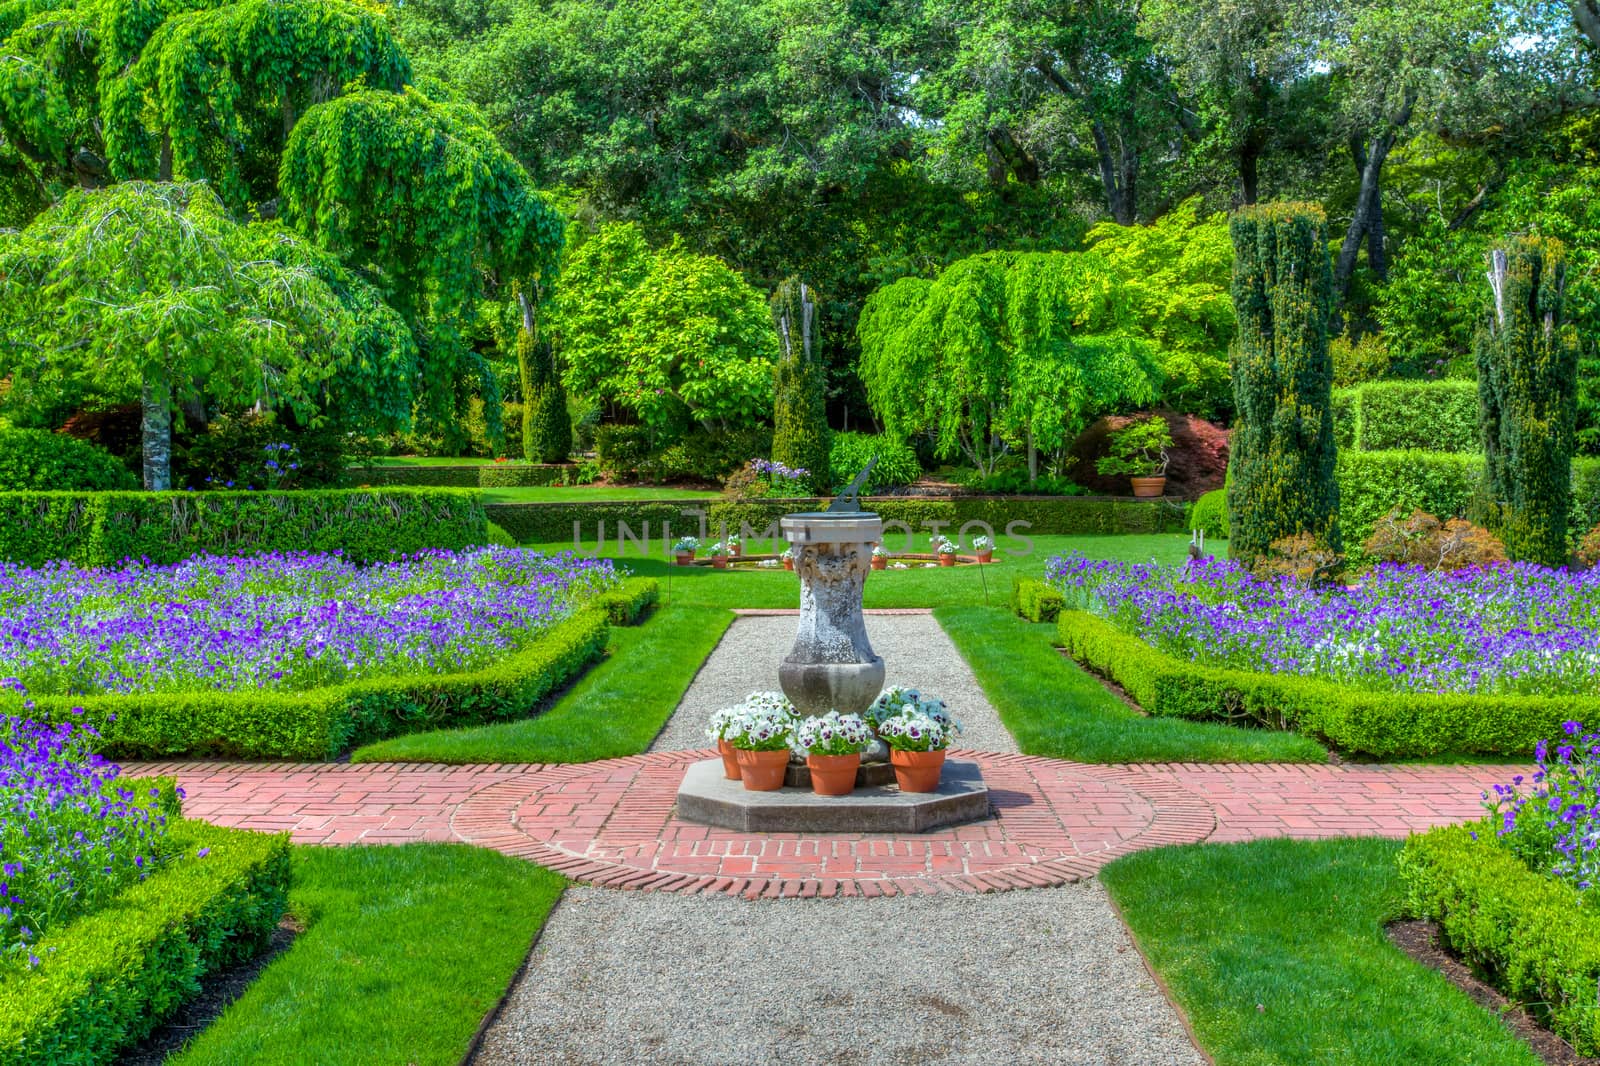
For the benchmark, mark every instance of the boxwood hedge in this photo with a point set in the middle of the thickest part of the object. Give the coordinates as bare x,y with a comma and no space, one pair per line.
1439,416
1526,929
1358,721
464,476
104,528
320,723
106,980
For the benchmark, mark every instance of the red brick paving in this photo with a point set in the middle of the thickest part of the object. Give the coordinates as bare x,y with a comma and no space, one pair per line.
611,823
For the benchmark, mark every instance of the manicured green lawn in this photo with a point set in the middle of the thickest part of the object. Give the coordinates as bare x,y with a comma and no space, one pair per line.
593,494
1054,708
1276,952
962,585
616,709
404,952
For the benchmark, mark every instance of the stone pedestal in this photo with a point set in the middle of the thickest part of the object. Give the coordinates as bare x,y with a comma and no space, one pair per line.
832,666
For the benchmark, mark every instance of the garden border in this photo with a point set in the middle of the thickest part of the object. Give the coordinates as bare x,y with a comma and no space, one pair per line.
1356,721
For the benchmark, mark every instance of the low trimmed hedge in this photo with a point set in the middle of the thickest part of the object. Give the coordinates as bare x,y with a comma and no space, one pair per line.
109,978
626,605
554,522
1210,514
1358,721
1378,416
104,528
520,475
444,477
320,723
1036,600
1527,930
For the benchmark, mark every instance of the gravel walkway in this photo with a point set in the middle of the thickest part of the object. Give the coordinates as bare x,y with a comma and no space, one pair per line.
1046,976
914,648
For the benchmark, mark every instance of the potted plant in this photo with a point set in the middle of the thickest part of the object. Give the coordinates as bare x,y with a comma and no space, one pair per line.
788,558
833,744
760,740
732,544
898,700
984,546
880,557
684,548
719,555
917,744
945,548
1139,451
717,730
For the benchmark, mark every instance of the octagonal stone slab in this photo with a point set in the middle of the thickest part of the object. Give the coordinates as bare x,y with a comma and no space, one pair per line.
706,796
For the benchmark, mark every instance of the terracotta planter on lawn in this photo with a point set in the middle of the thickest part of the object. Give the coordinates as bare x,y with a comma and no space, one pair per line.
788,564
730,761
762,771
685,558
917,771
985,557
719,561
833,775
1146,488
947,560
880,562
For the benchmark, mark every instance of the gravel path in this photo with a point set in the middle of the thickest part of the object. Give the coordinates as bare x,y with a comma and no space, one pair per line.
1044,976
915,649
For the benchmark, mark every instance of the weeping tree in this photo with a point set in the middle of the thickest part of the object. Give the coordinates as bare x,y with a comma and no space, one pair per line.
1282,451
1527,358
1003,350
151,288
800,436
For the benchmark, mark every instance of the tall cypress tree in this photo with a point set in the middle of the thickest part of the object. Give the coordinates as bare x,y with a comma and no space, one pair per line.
1282,450
546,425
1527,399
800,436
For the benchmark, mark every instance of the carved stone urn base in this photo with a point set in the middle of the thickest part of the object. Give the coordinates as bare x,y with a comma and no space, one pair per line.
848,688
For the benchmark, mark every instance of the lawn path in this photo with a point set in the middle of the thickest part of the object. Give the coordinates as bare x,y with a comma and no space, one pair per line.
1017,977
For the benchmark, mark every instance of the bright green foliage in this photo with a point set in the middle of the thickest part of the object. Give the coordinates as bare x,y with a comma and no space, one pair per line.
1527,389
1529,930
40,460
669,336
849,453
1035,600
1210,514
800,409
1281,464
1435,416
546,425
151,288
1000,350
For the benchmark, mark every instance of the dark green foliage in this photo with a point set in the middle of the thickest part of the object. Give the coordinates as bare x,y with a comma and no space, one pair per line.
109,978
546,426
518,475
238,449
1434,416
1035,600
1528,930
1015,482
800,421
1282,451
459,477
38,460
849,452
645,453
101,529
495,535
1527,389
1358,721
1210,513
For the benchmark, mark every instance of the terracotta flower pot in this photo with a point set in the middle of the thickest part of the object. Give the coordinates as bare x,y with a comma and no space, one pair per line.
719,561
730,760
762,771
880,562
947,560
917,771
833,775
987,556
1148,487
738,550
685,558
788,564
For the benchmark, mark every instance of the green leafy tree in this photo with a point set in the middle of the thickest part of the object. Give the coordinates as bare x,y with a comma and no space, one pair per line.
668,336
1527,395
151,290
800,435
546,423
1281,456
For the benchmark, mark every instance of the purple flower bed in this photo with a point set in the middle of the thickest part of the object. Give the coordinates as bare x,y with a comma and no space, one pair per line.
71,836
1511,629
284,622
1552,822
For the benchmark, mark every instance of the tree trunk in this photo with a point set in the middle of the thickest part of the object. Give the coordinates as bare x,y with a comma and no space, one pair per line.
1249,171
1587,15
1116,176
1368,215
155,428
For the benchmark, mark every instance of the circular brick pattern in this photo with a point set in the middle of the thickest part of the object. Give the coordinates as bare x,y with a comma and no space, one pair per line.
612,823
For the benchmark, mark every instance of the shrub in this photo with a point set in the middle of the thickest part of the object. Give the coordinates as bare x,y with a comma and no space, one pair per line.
496,535
101,529
1527,930
850,452
1015,482
519,475
1210,514
1384,725
1138,449
108,979
1356,362
1423,540
800,403
1527,387
1437,416
444,477
1302,557
38,460
1282,450
1035,600
546,425
251,451
1589,548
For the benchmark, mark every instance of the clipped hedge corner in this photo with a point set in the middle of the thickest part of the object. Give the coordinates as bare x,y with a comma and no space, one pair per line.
1035,600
